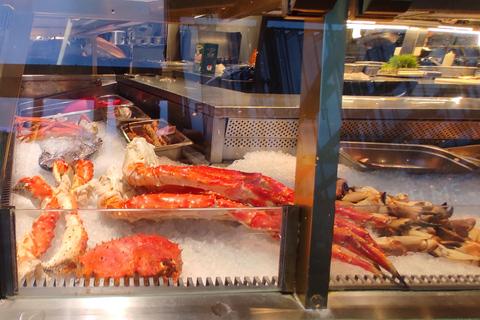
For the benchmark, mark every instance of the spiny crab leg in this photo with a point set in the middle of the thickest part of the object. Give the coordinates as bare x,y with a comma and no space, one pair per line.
140,175
363,218
359,231
140,168
36,242
354,243
42,127
353,259
74,239
254,218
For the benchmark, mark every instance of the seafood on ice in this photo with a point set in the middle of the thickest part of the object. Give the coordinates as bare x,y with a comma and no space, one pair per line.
36,242
155,132
143,255
156,186
59,138
138,255
416,226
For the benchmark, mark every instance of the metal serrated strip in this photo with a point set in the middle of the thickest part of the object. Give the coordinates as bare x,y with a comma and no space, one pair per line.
140,285
7,168
414,282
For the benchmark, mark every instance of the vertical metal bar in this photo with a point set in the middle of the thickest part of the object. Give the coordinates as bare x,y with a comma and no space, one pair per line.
288,249
8,274
93,41
317,151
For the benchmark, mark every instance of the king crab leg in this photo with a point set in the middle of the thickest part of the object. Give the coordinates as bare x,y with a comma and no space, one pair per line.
354,259
36,242
247,188
355,244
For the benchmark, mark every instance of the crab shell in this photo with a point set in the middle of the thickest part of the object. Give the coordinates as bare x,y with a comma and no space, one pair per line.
139,255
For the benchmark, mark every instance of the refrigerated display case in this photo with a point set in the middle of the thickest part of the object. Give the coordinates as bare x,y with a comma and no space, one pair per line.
282,112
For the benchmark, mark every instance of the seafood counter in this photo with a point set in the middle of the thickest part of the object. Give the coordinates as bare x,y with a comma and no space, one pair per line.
122,203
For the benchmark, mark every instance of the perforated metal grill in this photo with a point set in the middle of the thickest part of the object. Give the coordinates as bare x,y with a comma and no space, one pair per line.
262,128
248,135
260,143
430,132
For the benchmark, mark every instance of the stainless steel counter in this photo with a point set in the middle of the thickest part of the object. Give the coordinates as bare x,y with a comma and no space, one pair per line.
341,305
217,102
226,103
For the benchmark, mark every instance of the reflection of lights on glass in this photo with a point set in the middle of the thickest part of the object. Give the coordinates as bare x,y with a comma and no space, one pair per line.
371,25
460,30
360,22
115,307
455,28
457,99
356,33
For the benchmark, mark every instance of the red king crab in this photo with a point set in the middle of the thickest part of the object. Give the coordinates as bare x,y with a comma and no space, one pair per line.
142,255
167,186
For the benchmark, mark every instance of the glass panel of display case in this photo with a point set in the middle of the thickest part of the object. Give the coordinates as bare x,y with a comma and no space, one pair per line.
127,126
408,150
89,250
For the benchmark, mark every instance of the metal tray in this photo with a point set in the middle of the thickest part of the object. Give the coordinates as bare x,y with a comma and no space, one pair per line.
369,156
471,152
108,114
177,140
353,67
52,107
113,100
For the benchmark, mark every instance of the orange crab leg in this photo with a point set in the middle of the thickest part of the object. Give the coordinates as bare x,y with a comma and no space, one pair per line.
74,239
353,259
39,239
37,186
359,231
361,217
36,242
41,126
354,243
251,178
267,220
83,172
138,174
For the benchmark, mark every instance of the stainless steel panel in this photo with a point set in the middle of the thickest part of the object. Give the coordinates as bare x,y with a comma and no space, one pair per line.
252,305
367,156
